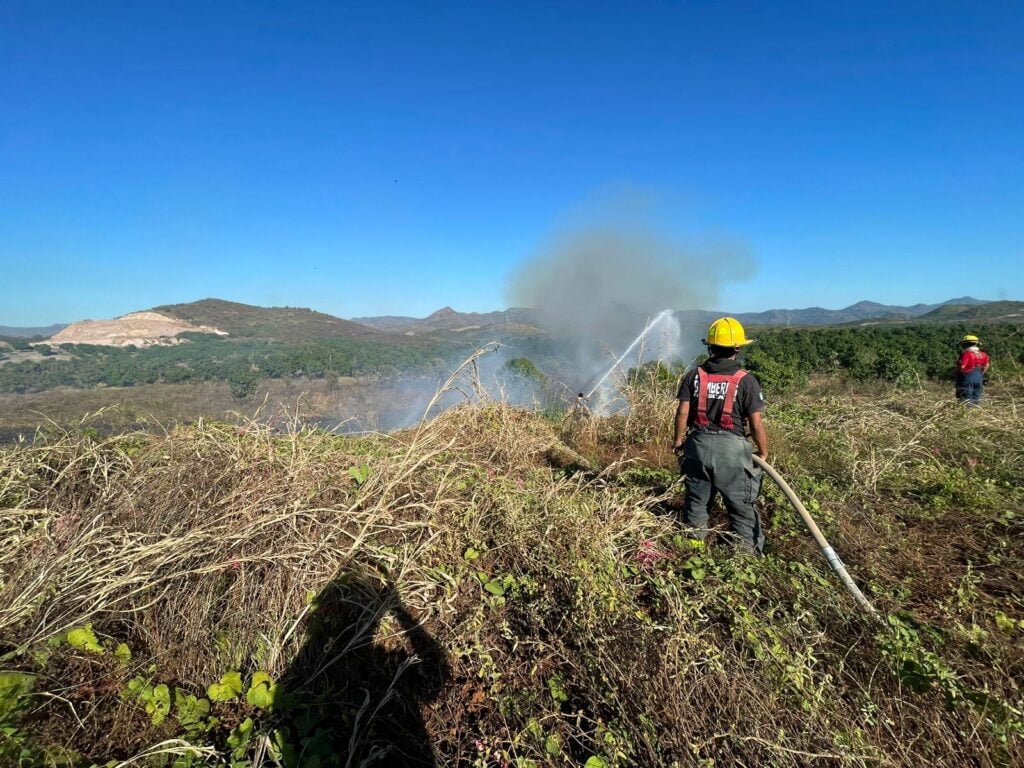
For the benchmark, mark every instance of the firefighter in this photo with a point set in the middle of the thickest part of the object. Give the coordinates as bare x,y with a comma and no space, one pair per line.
581,405
970,371
717,401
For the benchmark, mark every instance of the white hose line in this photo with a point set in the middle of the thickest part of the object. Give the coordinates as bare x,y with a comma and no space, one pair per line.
826,549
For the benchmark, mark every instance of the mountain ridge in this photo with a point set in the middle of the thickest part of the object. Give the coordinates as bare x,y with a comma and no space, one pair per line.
447,318
276,323
295,324
26,331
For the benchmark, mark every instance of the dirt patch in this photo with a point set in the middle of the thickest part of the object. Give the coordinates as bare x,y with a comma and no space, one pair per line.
139,329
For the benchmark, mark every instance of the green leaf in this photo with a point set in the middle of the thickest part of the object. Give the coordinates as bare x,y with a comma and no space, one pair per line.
239,737
495,587
219,692
13,686
14,654
282,749
360,474
1005,623
262,691
160,705
553,745
84,639
192,712
595,762
558,693
228,689
260,677
470,554
123,654
136,687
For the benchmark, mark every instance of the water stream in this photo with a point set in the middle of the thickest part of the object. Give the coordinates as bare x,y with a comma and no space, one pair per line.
647,329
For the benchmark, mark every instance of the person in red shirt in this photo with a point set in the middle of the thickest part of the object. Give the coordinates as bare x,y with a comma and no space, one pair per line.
970,370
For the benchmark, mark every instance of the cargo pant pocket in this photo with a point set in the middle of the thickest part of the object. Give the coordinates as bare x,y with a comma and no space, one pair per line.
755,476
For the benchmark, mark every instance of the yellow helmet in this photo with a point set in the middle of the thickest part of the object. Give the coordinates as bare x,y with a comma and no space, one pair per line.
971,338
727,332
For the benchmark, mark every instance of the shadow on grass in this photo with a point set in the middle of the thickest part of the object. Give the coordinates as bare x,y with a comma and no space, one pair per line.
355,692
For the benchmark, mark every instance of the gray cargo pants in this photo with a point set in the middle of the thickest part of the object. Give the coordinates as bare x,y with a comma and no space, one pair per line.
721,461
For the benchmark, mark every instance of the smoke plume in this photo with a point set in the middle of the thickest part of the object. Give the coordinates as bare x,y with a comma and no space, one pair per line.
599,286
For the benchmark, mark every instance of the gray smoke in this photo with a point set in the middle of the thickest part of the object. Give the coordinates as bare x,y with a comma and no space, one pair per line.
600,286
598,283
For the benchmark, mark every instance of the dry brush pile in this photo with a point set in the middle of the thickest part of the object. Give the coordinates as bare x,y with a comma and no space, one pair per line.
228,595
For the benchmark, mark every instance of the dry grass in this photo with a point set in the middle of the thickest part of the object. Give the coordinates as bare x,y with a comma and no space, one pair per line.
447,588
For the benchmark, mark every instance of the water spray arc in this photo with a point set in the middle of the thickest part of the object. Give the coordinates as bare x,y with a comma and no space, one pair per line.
826,549
647,329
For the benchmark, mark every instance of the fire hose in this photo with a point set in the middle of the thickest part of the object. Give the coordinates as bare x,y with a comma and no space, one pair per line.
826,549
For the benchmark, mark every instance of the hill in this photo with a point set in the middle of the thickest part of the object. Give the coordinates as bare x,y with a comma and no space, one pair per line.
286,324
469,593
862,310
137,329
293,324
448,319
19,332
214,340
990,311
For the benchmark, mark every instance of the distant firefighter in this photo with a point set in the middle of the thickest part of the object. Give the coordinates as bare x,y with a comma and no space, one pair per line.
581,404
970,370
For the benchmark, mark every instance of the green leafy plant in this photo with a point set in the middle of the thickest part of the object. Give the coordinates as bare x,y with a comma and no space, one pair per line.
84,639
262,691
228,688
360,474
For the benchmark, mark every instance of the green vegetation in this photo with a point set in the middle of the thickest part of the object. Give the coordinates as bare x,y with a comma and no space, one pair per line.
284,324
19,343
524,368
993,310
210,358
784,359
224,595
317,346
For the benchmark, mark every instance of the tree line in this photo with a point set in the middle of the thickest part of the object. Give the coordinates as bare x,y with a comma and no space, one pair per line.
903,355
783,358
241,363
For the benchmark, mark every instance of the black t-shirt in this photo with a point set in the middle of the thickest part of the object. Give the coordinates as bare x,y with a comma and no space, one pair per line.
749,398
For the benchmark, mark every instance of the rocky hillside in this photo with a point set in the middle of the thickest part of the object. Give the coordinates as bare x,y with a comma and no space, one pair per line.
163,325
288,324
138,329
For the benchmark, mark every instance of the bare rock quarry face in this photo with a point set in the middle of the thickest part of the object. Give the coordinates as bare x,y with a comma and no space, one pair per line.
140,329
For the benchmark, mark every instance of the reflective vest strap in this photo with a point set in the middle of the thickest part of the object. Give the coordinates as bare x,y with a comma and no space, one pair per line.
704,380
701,421
730,400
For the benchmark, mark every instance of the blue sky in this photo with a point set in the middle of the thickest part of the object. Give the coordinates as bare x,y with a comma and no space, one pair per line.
380,158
